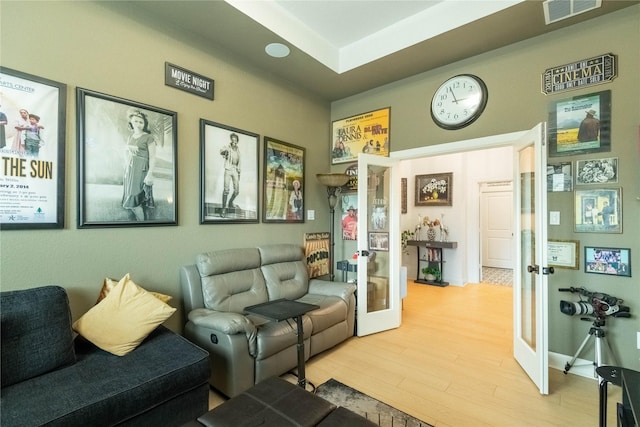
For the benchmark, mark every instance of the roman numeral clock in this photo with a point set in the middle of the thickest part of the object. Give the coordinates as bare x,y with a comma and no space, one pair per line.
459,101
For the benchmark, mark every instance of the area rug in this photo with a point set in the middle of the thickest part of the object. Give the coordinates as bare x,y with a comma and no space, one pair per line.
370,408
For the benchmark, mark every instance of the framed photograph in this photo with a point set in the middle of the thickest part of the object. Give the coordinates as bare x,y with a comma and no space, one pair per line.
32,146
563,253
127,162
559,177
379,241
228,174
580,125
349,220
434,189
403,195
610,261
316,251
597,171
598,211
362,133
283,186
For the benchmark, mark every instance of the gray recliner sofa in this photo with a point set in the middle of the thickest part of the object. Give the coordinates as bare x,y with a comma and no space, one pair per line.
245,350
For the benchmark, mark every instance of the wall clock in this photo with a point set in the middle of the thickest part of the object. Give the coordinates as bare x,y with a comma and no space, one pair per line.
459,101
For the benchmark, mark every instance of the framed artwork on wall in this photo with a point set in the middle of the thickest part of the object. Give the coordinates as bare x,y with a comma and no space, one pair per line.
598,211
363,133
580,125
349,218
283,182
559,177
610,261
228,174
597,171
563,253
379,241
434,189
127,166
32,145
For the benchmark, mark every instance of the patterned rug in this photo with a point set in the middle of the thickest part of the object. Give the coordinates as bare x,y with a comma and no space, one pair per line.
370,408
497,276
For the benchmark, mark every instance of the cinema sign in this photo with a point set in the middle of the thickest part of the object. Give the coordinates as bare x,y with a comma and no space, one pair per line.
576,75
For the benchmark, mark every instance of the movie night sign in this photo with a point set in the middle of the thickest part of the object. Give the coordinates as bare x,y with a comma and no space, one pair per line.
583,73
188,81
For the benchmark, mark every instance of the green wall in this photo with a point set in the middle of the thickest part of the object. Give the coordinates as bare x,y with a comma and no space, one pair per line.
87,45
513,76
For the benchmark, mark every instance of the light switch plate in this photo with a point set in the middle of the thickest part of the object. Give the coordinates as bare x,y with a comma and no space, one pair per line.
311,214
554,218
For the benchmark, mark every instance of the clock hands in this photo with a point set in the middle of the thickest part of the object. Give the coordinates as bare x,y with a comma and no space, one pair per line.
454,95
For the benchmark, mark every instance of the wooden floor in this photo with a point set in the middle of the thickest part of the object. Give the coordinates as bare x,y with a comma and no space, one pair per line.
451,364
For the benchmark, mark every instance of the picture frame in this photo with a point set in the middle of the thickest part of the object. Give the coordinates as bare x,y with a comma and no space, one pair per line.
403,195
33,151
598,210
283,182
563,254
609,261
349,217
363,133
580,125
434,189
559,177
379,241
127,162
597,171
229,174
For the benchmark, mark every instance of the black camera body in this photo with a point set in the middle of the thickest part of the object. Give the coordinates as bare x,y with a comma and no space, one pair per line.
597,304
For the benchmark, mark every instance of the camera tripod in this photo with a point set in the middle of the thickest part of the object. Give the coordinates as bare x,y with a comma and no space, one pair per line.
599,333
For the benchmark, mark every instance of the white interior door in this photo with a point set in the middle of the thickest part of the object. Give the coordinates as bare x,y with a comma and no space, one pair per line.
496,219
530,292
378,294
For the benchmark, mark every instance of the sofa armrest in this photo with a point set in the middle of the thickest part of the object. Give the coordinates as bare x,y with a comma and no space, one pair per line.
227,323
339,289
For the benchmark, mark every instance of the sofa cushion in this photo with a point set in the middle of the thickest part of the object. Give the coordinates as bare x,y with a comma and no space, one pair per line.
109,284
120,322
36,333
273,337
101,389
332,311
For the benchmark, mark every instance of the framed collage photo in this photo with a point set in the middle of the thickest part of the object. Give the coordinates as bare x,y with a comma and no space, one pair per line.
363,133
597,171
283,182
610,261
32,146
127,164
434,189
598,210
580,125
228,174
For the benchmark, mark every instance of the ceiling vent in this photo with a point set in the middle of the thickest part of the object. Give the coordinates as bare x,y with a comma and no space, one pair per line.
557,10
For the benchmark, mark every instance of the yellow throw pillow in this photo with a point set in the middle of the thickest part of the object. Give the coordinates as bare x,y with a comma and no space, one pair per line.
123,319
108,284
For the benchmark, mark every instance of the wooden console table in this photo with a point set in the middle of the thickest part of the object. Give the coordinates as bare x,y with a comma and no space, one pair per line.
432,255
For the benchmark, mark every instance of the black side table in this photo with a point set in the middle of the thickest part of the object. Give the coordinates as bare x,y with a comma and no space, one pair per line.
283,309
629,380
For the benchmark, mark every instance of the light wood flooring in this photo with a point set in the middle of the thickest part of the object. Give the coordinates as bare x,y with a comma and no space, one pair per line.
451,364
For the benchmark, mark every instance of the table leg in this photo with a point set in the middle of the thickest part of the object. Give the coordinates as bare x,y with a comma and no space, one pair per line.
302,381
603,402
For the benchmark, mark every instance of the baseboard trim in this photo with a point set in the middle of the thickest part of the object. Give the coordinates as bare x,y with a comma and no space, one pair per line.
581,367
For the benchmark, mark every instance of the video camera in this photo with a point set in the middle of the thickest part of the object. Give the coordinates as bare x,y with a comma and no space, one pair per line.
598,304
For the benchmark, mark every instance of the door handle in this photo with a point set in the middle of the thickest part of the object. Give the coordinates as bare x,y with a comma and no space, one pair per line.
548,270
363,253
533,269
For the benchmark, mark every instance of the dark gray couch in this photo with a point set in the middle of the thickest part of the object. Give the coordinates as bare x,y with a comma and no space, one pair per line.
50,378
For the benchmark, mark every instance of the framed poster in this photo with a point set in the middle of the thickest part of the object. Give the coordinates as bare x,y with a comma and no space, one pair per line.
228,174
611,261
598,211
597,171
362,133
127,166
559,177
283,182
379,241
32,145
434,189
349,219
316,251
563,253
580,125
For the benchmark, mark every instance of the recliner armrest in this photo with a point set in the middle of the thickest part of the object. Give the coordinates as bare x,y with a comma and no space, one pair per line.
327,288
227,323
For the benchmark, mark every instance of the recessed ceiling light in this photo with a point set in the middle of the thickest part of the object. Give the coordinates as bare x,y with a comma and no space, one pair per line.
277,50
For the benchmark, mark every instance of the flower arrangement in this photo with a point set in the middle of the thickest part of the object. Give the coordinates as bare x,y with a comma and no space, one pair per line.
434,188
404,238
430,223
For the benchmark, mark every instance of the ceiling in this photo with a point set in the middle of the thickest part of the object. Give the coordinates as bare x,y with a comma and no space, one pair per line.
341,47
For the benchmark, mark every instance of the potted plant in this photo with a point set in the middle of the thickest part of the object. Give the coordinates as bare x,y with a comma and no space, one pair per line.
431,273
404,238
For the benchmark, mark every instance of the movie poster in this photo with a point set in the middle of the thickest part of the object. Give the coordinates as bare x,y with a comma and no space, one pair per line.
32,116
364,133
316,250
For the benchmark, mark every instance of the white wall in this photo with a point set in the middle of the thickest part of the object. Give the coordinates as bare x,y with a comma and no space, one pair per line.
463,217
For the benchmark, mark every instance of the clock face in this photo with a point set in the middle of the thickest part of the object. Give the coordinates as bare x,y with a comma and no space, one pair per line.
459,101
